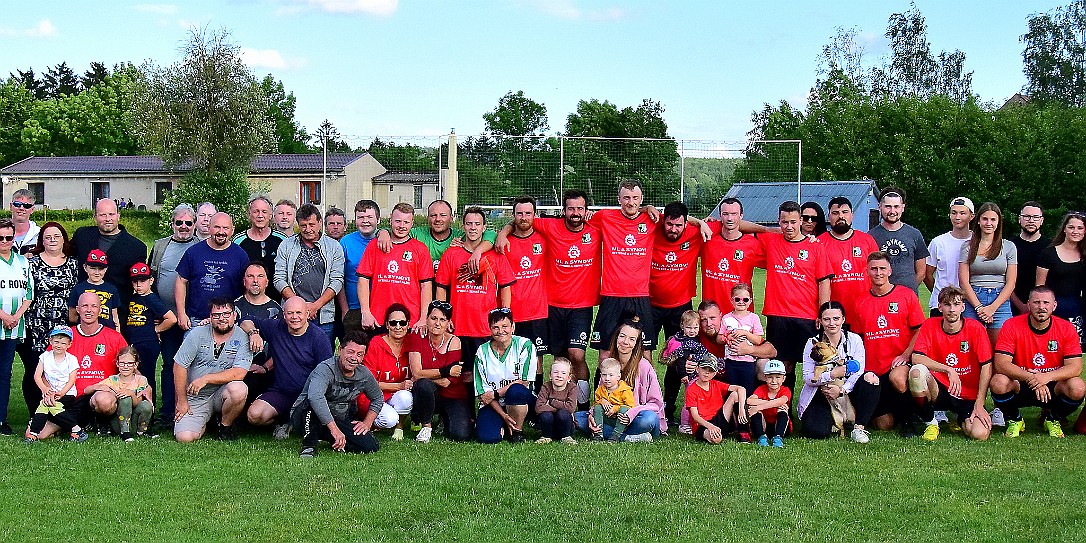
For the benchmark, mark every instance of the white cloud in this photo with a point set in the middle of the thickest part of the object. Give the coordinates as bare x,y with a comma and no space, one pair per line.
160,9
567,9
44,29
268,58
372,7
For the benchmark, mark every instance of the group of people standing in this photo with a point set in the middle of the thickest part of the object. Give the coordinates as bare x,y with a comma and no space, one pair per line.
452,324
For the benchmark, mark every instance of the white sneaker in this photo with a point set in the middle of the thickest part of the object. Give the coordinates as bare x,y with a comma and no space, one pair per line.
281,432
940,416
997,417
568,440
424,434
543,440
686,429
639,438
860,435
397,434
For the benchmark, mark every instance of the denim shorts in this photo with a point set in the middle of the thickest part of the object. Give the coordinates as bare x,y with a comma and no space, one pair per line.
987,296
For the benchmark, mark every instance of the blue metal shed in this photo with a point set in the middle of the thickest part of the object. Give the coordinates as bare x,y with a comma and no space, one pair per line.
760,200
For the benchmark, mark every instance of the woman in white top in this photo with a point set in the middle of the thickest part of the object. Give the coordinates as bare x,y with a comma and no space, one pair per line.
988,265
845,379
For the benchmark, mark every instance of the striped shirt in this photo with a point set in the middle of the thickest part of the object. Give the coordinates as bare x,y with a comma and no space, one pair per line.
16,286
493,371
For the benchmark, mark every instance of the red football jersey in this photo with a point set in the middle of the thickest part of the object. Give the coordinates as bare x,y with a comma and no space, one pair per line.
708,402
1036,351
718,349
848,260
763,393
473,298
384,365
726,263
627,252
526,257
887,324
793,269
673,279
966,351
396,276
573,264
97,356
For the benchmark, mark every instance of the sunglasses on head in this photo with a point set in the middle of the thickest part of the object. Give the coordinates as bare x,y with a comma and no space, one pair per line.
502,310
441,304
24,205
397,323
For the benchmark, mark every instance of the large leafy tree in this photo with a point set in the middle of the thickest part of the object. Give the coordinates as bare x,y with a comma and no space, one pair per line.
290,136
517,115
1054,57
404,158
16,105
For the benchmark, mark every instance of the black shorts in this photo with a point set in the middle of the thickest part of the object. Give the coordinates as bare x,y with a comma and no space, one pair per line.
887,397
568,328
945,402
611,314
537,332
668,318
1026,397
789,335
468,346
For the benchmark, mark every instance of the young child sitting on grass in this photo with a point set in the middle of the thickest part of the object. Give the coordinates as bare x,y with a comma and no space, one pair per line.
134,396
555,404
715,407
767,407
55,376
613,397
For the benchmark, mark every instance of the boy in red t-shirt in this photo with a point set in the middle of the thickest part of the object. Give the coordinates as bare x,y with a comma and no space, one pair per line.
714,406
768,406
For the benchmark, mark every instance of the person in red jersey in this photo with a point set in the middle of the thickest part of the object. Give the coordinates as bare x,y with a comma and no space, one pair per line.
401,275
1038,362
730,257
888,318
526,255
473,295
572,273
797,282
847,250
952,368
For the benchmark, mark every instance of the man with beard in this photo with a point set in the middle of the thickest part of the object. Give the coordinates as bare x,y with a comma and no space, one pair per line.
902,243
208,373
366,216
730,258
847,250
211,269
945,251
1038,362
1029,243
260,242
526,254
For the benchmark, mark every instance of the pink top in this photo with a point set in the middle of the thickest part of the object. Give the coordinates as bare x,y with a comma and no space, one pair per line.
647,393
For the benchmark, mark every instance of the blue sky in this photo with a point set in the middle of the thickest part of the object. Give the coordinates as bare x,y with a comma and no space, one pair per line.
407,68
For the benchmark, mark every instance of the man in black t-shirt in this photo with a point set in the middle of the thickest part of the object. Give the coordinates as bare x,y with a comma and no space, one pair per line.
1029,243
256,304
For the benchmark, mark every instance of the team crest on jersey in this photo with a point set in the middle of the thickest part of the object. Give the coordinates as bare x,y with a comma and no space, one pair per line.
882,321
407,256
1053,346
685,246
1038,360
525,262
584,336
642,228
963,346
537,248
630,240
857,252
789,263
723,265
738,256
586,237
893,307
100,349
803,254
952,359
393,266
846,265
574,251
595,336
670,257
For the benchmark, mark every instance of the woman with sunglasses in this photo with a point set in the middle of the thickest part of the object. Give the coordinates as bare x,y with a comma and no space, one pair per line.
16,293
440,380
645,419
386,359
814,219
55,272
1062,267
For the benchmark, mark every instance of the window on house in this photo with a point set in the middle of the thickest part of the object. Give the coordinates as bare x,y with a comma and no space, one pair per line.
99,191
162,189
310,192
38,190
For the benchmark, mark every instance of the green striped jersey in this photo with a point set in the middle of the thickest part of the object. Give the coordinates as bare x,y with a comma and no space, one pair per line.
493,371
16,286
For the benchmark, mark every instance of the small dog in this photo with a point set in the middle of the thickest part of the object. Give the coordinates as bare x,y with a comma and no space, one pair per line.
826,359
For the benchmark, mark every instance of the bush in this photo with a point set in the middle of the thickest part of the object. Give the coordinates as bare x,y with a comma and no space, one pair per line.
228,190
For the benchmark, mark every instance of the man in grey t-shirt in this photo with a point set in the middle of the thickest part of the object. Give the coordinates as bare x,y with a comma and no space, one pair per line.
208,372
905,244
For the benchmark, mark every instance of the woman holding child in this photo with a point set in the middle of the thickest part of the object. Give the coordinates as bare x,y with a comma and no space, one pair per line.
439,377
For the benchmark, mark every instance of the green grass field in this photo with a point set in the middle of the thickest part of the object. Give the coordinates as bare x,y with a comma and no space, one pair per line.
257,489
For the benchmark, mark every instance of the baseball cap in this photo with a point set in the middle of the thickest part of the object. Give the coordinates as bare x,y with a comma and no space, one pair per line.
707,361
963,201
61,330
97,259
139,271
774,367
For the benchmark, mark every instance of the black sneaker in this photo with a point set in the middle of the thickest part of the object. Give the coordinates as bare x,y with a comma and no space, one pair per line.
5,429
908,430
308,452
516,437
227,433
151,433
127,437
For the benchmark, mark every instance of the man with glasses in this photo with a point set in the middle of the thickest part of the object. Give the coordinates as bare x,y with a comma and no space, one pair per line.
1029,243
26,230
213,268
166,254
260,242
901,242
945,252
208,373
123,250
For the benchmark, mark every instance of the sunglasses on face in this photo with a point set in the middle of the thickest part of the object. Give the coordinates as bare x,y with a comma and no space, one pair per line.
24,205
397,323
183,223
809,218
7,238
741,300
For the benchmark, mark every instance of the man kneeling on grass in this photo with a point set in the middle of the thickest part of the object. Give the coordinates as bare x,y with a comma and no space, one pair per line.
327,409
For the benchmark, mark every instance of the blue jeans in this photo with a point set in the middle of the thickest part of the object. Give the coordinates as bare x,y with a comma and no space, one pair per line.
647,421
987,296
329,330
7,358
171,342
489,424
